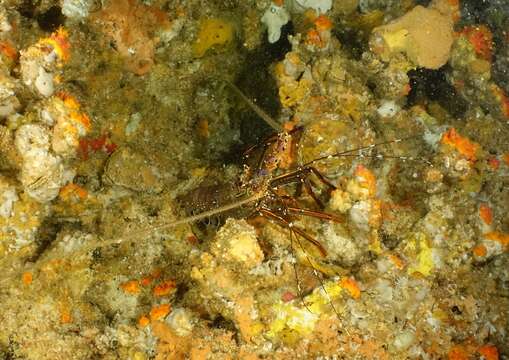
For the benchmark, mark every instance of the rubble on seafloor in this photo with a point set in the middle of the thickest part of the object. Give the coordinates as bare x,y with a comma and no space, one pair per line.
116,119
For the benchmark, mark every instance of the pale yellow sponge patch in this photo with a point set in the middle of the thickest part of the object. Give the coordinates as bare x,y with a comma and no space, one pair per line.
294,321
423,262
292,318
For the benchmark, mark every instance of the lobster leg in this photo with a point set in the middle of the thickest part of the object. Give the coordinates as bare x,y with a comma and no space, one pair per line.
289,225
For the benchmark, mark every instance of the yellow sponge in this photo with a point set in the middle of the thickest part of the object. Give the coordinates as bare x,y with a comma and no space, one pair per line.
212,32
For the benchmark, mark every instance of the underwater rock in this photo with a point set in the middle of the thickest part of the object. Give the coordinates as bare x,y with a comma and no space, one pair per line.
9,103
69,124
423,34
236,241
76,9
131,25
8,197
40,62
130,169
42,173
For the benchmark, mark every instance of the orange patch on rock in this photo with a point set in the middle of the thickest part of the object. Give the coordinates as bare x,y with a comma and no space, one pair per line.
71,191
143,321
59,42
350,285
323,23
489,352
499,237
8,50
313,38
367,179
502,98
462,144
486,214
494,163
159,312
480,251
130,287
27,278
481,39
131,25
457,352
397,261
165,288
65,315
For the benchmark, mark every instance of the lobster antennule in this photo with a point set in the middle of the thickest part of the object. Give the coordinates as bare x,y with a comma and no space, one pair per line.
258,110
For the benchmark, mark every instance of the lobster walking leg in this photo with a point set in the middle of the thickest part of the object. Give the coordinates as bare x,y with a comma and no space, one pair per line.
271,215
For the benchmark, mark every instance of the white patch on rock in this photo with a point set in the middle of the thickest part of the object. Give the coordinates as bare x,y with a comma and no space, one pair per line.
388,109
274,18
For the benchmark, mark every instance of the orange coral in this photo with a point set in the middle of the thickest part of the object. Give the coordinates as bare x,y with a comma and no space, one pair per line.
489,352
366,179
165,288
499,237
494,163
457,352
480,250
103,143
143,321
351,286
462,144
69,100
130,287
27,278
313,38
323,23
397,261
481,39
486,214
72,190
159,311
65,314
8,50
146,281
59,42
502,98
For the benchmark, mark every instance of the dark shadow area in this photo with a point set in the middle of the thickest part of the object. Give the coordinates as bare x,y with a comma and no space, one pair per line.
51,20
257,83
431,85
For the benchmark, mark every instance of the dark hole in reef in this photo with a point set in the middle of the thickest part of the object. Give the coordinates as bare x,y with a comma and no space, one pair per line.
390,241
431,85
424,3
222,323
456,310
51,19
258,84
46,234
354,41
27,8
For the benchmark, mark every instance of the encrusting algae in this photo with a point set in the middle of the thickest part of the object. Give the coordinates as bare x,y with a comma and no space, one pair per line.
373,225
